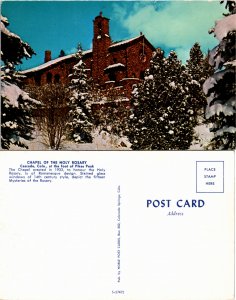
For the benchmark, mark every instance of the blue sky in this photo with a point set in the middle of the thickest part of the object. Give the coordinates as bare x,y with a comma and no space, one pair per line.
56,25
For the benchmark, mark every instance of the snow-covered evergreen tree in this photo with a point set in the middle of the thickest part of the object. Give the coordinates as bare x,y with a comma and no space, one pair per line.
199,70
162,116
220,87
195,63
16,105
80,124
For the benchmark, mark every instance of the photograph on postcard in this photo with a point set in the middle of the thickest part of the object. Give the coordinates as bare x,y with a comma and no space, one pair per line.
118,75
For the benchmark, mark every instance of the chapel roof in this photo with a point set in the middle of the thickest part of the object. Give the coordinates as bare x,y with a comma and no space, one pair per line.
113,47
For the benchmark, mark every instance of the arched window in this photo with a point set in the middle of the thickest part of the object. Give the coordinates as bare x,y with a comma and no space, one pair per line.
112,76
142,55
37,79
49,77
57,78
99,25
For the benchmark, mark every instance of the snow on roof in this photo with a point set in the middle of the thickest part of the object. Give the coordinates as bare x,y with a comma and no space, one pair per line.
224,26
47,64
114,66
87,51
52,62
129,78
124,42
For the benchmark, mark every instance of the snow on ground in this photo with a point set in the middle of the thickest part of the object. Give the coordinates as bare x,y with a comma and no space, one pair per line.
105,141
101,141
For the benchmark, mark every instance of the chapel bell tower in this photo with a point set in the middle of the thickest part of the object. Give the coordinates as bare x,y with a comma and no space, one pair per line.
101,43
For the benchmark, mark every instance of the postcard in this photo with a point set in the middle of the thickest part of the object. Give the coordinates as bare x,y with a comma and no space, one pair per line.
117,161
109,225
